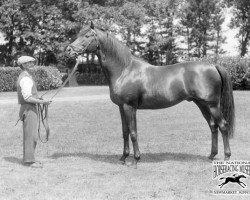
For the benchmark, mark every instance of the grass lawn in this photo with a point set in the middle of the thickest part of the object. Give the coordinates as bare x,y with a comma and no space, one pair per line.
81,159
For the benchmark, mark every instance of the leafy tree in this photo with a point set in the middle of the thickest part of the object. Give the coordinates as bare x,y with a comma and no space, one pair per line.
130,19
241,20
161,48
43,27
218,38
10,22
48,28
201,20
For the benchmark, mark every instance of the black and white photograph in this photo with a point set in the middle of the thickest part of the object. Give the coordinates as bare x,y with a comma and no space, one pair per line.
124,99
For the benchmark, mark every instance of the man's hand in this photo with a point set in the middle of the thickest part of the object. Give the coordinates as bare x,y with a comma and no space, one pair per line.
46,102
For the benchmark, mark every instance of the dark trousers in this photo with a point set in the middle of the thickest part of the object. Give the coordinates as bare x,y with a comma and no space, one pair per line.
29,115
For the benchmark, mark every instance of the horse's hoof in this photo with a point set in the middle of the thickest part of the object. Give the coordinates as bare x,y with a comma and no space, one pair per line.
211,157
123,158
132,164
123,162
226,158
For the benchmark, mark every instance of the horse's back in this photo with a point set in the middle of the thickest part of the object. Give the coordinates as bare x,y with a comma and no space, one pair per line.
171,84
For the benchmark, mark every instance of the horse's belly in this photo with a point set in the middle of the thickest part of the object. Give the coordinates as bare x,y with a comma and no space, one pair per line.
160,101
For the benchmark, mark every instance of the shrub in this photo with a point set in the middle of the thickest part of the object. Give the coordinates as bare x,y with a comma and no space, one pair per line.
45,77
236,67
8,78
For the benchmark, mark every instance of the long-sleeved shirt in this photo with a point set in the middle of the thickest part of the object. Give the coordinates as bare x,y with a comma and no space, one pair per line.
26,85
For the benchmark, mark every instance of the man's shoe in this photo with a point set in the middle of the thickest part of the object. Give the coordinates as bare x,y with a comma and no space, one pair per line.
35,164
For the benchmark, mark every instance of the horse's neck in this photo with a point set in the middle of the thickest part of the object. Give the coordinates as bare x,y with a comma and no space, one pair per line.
114,56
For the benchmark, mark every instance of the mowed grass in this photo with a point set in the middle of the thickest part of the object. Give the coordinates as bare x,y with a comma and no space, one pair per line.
81,159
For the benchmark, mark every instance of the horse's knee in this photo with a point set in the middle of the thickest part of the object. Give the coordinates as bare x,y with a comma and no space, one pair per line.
133,136
125,134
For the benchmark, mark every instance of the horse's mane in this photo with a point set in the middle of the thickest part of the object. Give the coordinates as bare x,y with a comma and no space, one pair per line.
116,49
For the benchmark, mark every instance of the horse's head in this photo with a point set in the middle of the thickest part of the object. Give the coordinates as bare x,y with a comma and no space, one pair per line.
242,176
86,41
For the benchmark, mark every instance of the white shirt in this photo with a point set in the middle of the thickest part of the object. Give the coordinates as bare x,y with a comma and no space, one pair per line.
26,85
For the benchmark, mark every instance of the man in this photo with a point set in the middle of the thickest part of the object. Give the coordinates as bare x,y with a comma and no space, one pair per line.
28,98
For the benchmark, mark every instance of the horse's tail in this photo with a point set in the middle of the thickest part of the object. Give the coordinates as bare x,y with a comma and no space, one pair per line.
227,100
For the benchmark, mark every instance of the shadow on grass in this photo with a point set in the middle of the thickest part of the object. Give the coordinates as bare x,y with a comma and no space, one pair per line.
145,158
14,160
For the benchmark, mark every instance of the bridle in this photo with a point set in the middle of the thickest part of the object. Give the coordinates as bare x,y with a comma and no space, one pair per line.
43,110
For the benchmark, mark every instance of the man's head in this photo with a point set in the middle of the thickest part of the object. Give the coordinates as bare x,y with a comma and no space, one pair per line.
26,62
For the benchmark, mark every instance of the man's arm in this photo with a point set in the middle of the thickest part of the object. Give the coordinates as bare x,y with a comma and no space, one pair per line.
40,101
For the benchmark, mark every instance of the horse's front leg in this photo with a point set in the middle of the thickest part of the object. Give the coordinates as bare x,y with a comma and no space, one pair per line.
130,116
243,184
125,133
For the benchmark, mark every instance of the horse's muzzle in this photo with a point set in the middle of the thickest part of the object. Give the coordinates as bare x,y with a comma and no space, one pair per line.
72,52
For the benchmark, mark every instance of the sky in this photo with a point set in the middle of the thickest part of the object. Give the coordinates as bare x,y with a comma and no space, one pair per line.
231,45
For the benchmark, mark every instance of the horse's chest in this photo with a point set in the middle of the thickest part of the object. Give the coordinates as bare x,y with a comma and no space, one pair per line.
126,91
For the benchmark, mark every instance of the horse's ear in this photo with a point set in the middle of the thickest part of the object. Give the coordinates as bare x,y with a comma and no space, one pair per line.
92,25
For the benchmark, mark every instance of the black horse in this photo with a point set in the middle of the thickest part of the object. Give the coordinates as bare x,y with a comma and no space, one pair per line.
135,84
234,179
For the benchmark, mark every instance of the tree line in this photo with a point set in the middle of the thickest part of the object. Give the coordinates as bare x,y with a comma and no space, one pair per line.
43,28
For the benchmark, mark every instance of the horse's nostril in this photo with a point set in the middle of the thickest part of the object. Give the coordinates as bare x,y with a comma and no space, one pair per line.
68,49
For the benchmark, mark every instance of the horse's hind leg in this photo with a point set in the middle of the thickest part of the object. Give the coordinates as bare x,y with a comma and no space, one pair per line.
125,132
221,185
221,122
213,127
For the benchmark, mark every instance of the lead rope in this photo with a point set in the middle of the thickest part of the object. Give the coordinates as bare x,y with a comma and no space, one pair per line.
43,110
43,117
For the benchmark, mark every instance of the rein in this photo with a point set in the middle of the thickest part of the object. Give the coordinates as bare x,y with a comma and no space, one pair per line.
43,117
43,110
